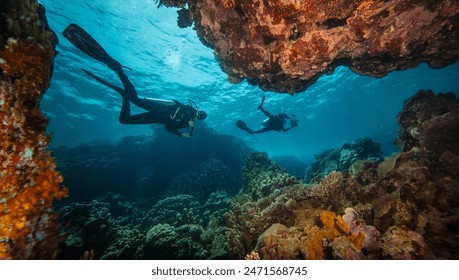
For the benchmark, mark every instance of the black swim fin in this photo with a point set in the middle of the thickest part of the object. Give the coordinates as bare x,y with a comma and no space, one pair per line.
87,44
242,125
117,89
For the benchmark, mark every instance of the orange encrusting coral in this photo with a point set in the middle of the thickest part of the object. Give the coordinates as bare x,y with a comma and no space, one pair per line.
365,9
333,227
29,181
287,45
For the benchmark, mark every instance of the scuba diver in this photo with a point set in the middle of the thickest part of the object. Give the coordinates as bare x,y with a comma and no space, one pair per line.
273,122
176,117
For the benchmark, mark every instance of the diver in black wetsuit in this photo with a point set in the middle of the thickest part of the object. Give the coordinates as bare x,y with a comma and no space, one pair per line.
174,115
273,122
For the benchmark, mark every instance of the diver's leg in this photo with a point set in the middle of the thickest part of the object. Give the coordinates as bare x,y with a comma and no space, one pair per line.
260,107
127,118
131,93
129,88
125,112
261,104
262,130
268,114
117,89
242,125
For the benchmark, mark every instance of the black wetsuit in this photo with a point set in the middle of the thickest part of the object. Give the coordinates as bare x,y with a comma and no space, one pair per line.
274,122
172,114
173,117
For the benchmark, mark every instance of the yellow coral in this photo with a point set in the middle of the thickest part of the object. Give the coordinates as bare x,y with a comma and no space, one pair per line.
357,239
21,223
333,226
365,9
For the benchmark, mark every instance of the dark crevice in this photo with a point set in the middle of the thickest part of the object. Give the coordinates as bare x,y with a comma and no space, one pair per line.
268,39
334,22
240,12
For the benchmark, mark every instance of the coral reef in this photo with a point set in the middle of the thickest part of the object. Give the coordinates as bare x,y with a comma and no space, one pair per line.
90,226
329,192
292,164
176,227
278,243
399,243
261,176
203,180
146,166
177,203
266,190
317,234
429,122
404,207
365,149
285,46
29,181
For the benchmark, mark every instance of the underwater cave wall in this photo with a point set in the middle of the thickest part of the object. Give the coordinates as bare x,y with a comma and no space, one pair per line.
286,45
28,180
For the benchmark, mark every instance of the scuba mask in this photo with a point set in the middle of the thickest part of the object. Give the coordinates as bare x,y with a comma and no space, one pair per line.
201,115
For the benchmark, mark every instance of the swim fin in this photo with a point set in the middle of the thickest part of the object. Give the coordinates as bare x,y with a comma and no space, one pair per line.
83,41
117,89
242,125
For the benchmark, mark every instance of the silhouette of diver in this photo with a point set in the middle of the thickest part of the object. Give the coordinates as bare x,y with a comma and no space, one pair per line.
174,115
273,122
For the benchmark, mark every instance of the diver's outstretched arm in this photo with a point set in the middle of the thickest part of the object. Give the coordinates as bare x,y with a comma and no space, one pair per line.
292,125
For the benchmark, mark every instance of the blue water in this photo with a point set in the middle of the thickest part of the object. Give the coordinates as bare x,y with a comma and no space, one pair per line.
170,62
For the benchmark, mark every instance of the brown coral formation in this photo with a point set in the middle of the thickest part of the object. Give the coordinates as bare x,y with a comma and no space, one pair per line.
404,208
429,122
286,45
28,180
260,204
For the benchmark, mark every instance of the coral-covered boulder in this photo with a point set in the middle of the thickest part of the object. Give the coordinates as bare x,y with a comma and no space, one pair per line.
164,241
265,199
323,238
261,176
422,187
279,243
286,45
399,243
430,122
341,159
29,181
319,234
